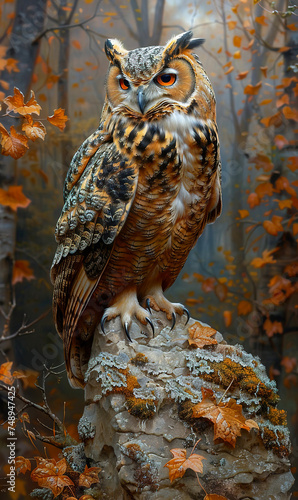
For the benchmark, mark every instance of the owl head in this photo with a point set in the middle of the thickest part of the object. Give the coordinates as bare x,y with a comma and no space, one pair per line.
152,81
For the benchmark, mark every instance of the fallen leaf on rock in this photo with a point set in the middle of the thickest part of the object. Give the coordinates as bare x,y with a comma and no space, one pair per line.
178,465
201,335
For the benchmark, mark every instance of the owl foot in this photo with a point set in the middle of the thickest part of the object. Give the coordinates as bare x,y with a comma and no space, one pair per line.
158,302
126,306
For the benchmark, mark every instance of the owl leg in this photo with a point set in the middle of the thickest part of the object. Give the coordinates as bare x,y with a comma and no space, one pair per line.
126,305
156,300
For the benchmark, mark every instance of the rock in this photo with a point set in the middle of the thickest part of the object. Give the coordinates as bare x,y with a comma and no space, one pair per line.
139,400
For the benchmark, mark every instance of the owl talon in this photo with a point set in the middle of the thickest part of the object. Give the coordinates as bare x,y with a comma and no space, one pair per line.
126,328
102,323
174,320
148,307
186,311
150,323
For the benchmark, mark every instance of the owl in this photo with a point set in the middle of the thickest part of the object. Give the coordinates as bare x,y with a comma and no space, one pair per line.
138,194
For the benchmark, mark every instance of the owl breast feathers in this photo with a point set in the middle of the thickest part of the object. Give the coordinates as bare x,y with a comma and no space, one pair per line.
138,194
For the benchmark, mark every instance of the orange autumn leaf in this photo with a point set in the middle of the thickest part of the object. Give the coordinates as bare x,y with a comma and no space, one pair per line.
178,465
89,476
5,373
58,119
242,75
76,44
243,213
261,20
253,200
201,335
13,144
232,25
265,101
273,226
292,269
252,89
264,70
280,289
262,161
284,203
28,377
227,417
208,284
14,197
244,307
293,163
21,271
237,41
289,363
280,141
16,103
282,100
51,475
272,327
22,465
264,189
283,184
231,68
266,258
227,318
290,113
33,130
221,291
275,120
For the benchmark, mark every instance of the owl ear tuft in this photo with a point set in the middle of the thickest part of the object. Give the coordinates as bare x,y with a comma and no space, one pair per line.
181,42
114,50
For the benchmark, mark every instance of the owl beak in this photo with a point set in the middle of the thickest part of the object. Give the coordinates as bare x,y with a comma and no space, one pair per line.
142,101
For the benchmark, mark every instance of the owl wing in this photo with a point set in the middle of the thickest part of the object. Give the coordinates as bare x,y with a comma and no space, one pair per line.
95,210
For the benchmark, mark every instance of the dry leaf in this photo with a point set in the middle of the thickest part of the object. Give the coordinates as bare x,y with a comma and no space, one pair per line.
252,89
221,291
227,318
51,475
58,119
264,189
273,226
33,130
272,327
22,465
13,144
242,75
5,373
253,200
201,335
265,259
14,197
178,465
29,377
89,476
208,284
244,307
243,213
227,417
16,103
280,141
21,271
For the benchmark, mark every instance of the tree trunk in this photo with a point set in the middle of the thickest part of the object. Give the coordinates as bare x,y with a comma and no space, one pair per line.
139,399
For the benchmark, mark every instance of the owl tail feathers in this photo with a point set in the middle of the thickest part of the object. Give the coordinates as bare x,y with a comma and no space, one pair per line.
76,361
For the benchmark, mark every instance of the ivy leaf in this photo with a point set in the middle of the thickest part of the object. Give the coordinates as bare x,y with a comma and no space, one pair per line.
16,103
89,476
14,197
22,465
58,119
201,335
21,271
13,144
51,475
33,130
178,465
227,417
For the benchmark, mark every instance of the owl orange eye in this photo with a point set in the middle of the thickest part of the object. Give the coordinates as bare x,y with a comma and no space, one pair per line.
124,84
166,79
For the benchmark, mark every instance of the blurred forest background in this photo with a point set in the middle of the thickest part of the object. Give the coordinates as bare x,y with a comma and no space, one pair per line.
241,276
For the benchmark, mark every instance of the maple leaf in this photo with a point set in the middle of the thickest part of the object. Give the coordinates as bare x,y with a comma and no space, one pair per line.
244,307
178,465
51,475
227,417
33,130
272,327
201,335
58,119
273,226
266,258
29,377
89,476
13,144
21,271
16,103
22,465
5,373
14,197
